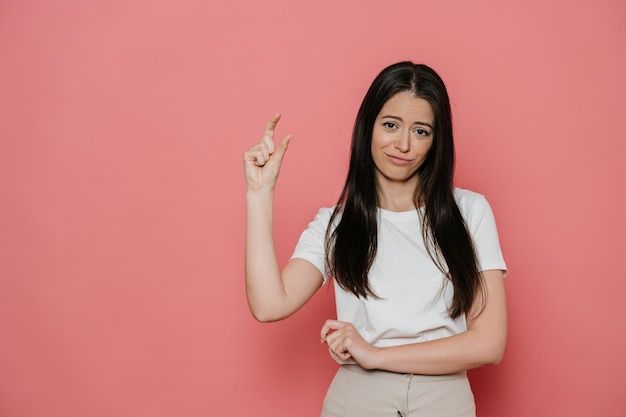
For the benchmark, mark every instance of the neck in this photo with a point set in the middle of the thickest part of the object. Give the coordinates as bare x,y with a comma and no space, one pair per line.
396,196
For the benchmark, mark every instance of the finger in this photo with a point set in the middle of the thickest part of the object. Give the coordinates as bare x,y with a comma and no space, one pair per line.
335,356
251,156
340,357
270,127
258,154
282,147
336,342
340,347
345,356
266,152
333,337
255,156
260,159
324,331
330,325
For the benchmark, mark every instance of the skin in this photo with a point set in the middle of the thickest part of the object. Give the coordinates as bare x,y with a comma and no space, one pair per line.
401,139
272,294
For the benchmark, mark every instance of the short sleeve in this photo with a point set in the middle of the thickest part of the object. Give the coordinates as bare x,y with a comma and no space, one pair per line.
311,244
482,227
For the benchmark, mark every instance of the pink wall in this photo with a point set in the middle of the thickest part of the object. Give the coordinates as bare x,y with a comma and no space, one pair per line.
122,125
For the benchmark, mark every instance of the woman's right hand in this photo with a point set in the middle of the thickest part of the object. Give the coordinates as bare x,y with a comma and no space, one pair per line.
262,161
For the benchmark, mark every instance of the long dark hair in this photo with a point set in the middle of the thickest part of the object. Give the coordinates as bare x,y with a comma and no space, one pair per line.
352,245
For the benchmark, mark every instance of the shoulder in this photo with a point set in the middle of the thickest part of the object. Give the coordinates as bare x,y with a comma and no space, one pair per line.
468,199
325,211
324,214
321,220
472,205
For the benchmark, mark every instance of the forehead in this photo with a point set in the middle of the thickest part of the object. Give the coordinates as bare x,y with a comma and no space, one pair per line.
408,107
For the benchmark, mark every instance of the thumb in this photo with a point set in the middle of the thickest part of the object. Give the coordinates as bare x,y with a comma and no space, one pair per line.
282,146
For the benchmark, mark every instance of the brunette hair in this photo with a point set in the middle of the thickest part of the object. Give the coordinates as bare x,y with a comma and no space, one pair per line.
351,247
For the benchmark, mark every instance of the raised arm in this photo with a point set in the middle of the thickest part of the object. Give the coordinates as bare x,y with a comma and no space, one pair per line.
272,294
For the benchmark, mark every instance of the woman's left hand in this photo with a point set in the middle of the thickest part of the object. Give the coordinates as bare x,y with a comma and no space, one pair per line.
345,342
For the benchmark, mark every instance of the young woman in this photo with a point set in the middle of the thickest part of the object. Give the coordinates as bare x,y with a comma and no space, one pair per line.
416,263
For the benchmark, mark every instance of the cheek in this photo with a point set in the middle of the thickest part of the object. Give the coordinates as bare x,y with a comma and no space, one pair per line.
426,150
375,141
380,138
426,146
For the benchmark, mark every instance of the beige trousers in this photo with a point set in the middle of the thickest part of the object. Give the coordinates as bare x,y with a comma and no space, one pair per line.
356,392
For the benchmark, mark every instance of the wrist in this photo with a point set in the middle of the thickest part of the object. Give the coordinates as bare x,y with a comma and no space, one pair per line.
375,358
256,193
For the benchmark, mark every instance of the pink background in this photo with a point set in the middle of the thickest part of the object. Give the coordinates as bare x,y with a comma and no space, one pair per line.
122,125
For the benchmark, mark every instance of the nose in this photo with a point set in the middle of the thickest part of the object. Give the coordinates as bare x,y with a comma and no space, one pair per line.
403,142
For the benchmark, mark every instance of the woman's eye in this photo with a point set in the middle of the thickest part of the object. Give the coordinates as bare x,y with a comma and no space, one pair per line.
389,125
422,132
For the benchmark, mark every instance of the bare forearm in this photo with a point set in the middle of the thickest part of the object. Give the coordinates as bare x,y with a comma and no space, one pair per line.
263,281
453,354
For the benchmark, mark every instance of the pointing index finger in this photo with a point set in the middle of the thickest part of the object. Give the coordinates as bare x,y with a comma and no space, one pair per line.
270,126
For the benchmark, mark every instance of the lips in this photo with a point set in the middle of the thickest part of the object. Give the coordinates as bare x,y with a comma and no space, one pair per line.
396,160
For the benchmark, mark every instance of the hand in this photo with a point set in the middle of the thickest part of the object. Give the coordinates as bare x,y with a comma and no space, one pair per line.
262,162
345,342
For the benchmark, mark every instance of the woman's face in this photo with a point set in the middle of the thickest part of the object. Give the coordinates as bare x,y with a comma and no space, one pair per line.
401,139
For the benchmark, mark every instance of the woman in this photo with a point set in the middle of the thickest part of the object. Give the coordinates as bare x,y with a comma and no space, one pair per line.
416,263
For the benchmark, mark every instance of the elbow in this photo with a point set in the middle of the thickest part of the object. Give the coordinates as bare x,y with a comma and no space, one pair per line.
263,318
265,315
485,354
494,355
489,348
262,312
485,359
266,308
496,358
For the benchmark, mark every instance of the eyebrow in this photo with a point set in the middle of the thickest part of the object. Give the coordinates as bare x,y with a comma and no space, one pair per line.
400,120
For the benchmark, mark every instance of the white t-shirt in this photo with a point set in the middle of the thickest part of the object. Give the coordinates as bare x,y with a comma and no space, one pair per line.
413,294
